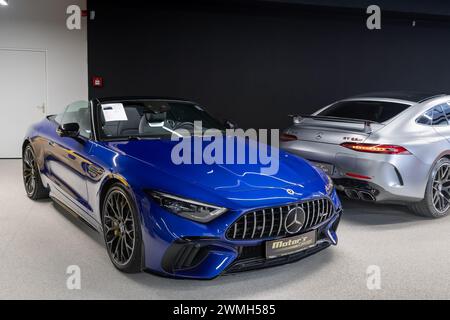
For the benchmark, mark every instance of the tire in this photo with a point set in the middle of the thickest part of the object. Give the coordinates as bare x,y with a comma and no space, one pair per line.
433,205
122,230
31,178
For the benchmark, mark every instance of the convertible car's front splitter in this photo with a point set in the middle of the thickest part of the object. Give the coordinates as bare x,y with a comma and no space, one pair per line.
207,258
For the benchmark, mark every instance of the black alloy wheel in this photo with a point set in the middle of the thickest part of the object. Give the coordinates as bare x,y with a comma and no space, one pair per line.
121,230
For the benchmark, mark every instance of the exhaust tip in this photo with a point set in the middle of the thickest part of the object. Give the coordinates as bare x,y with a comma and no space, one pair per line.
366,196
360,195
352,194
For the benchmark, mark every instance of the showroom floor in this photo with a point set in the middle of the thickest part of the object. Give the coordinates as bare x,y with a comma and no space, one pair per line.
38,241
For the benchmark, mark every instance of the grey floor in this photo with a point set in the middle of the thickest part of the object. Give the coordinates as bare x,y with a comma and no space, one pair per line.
38,241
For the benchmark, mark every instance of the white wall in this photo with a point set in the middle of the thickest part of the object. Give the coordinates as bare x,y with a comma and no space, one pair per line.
41,24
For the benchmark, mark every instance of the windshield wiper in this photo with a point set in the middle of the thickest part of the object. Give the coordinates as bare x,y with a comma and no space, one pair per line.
137,138
132,138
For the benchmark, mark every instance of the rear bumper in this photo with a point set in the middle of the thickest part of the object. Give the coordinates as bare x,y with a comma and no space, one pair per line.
394,178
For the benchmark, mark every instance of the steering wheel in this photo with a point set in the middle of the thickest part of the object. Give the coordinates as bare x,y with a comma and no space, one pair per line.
171,123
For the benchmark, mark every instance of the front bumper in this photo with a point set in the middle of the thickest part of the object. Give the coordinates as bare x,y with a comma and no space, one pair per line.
391,178
253,257
180,248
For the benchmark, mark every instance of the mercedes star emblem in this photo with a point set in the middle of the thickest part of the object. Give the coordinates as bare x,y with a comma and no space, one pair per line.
295,220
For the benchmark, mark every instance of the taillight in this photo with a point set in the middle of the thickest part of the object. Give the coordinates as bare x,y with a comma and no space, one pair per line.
376,148
358,176
287,137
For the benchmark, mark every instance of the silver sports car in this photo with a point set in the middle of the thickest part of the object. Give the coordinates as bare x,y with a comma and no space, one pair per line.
390,147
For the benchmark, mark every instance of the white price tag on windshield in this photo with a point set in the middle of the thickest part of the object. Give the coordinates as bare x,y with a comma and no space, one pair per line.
114,112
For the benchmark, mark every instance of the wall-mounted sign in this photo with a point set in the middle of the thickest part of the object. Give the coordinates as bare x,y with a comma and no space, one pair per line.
97,82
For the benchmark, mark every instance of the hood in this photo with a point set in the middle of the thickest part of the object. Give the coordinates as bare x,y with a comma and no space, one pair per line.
244,183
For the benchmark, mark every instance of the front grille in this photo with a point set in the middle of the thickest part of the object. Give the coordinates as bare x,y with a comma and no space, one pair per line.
269,222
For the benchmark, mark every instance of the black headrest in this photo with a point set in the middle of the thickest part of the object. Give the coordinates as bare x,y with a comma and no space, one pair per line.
156,117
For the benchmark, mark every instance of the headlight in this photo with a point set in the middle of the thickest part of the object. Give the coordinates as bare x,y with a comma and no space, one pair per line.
190,209
329,185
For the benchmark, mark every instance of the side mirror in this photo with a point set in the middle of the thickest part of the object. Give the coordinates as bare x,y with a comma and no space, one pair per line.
70,130
230,124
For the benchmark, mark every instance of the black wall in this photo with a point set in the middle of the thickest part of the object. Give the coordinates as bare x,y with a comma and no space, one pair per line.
256,63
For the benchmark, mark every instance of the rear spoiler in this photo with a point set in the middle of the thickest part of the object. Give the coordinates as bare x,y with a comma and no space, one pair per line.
367,123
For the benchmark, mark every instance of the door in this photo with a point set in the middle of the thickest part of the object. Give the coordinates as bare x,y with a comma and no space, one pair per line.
23,96
68,158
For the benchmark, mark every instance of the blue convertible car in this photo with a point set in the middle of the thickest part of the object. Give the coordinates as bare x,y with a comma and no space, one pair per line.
109,161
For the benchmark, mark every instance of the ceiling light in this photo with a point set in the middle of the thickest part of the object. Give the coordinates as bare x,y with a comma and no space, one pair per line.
3,2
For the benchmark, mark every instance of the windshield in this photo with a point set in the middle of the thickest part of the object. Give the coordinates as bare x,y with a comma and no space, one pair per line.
378,111
152,119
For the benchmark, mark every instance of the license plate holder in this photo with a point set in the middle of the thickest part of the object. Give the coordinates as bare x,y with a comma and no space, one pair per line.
290,245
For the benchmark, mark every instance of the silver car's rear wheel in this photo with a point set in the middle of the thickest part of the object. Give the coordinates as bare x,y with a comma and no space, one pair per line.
441,188
436,203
